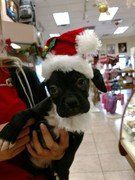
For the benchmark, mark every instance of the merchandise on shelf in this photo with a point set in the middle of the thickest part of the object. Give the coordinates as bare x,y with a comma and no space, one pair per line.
109,59
116,78
109,101
26,12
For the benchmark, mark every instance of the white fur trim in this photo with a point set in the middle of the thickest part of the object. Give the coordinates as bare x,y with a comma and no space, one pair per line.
80,122
87,42
66,63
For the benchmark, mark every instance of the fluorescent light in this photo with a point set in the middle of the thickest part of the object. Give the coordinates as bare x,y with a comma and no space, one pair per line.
61,18
38,33
108,16
15,46
121,30
54,35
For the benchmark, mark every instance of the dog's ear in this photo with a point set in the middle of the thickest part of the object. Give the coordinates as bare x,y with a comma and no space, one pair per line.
98,80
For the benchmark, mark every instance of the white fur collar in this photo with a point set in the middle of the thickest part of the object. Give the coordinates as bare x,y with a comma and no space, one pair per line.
80,122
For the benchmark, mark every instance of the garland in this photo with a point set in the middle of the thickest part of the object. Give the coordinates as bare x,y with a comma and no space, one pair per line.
33,49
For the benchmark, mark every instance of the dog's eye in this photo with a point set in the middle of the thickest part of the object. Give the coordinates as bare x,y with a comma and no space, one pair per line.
53,90
81,82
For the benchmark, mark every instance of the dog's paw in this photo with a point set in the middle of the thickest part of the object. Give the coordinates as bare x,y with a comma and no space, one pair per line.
12,130
8,134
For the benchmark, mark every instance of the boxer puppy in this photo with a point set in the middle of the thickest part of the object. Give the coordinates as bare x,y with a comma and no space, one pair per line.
67,107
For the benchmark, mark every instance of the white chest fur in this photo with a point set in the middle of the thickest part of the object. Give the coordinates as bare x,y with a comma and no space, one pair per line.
80,122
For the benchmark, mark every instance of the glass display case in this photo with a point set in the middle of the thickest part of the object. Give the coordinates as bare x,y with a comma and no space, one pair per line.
127,134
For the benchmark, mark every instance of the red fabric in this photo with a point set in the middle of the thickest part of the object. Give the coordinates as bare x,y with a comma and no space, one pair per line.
65,44
10,104
12,172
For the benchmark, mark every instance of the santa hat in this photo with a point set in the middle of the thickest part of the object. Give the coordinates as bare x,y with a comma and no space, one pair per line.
69,52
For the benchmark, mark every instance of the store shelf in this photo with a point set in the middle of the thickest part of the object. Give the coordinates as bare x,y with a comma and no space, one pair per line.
129,86
128,71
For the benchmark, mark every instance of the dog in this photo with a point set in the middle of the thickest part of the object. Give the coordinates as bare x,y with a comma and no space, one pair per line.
67,107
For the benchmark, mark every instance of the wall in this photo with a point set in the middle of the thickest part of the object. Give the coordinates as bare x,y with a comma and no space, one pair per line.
129,40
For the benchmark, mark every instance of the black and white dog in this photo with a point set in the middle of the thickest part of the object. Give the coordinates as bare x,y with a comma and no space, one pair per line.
68,106
68,80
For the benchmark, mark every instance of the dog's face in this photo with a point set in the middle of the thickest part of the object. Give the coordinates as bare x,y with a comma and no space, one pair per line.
69,92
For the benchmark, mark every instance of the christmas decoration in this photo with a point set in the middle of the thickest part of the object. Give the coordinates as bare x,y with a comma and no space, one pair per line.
46,48
102,7
70,51
32,50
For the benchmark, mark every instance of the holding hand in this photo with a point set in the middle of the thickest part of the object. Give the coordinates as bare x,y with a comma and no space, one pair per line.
7,150
55,150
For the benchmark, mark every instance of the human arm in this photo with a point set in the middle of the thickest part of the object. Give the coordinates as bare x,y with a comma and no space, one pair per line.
8,151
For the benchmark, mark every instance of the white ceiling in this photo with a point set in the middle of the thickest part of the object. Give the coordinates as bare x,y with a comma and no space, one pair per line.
46,8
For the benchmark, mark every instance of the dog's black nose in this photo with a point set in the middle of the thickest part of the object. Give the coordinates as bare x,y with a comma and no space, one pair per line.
71,102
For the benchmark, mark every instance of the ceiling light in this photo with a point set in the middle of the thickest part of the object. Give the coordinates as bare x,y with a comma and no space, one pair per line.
61,18
38,33
15,46
54,35
109,15
121,29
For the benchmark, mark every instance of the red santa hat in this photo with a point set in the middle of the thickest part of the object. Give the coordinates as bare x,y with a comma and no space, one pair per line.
69,52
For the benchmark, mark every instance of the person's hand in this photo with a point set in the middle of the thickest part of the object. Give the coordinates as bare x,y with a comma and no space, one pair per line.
7,150
55,151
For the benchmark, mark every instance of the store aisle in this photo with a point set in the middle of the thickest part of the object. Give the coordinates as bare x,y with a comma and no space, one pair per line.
98,157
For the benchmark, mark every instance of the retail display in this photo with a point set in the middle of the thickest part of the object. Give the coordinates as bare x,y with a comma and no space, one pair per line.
127,135
116,78
109,101
26,12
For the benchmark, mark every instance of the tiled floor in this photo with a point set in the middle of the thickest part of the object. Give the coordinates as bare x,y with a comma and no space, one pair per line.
98,157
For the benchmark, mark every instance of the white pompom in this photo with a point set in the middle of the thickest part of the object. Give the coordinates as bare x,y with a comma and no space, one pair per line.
87,42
